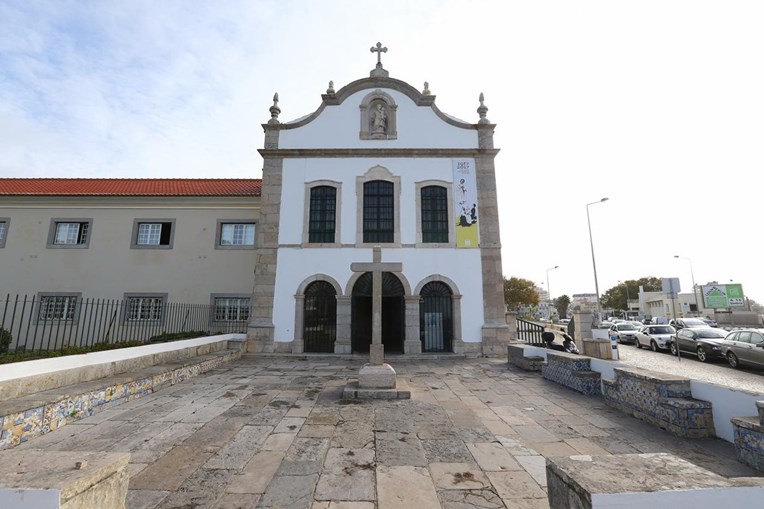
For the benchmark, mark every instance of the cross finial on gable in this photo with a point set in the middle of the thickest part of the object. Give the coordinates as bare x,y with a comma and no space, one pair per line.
379,70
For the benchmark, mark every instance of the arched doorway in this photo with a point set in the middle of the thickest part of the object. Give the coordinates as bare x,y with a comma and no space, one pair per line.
320,317
436,317
393,313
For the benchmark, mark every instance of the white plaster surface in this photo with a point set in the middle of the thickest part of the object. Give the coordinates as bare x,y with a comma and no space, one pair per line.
43,366
711,498
19,498
339,126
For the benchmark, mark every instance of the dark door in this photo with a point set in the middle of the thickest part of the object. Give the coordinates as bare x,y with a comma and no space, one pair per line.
320,317
436,324
393,313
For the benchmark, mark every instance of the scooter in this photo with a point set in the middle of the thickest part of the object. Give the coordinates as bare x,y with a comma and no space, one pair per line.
568,344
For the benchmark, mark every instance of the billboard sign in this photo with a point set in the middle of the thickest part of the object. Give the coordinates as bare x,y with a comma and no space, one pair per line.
723,296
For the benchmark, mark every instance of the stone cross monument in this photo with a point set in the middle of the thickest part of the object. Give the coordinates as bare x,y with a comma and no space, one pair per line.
376,373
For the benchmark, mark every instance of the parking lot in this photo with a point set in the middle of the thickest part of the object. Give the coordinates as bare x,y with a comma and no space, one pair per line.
718,372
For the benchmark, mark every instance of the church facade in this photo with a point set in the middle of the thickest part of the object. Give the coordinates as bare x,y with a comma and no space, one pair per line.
378,164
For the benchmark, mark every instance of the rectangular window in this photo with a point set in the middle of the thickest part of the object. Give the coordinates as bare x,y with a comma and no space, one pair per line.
434,214
70,233
153,233
234,234
323,208
57,308
3,231
144,308
231,309
378,212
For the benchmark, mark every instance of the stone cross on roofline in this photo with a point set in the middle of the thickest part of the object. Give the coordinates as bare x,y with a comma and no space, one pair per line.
376,267
379,70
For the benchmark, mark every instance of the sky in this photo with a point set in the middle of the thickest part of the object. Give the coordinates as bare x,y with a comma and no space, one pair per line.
656,105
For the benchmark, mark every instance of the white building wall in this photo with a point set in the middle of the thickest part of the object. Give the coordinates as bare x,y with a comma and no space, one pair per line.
338,127
460,265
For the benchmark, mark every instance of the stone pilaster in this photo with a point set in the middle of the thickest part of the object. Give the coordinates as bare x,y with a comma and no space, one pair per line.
260,330
298,345
343,344
495,332
458,345
412,343
511,318
582,326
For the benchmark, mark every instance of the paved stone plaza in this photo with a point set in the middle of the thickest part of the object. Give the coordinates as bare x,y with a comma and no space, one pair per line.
272,432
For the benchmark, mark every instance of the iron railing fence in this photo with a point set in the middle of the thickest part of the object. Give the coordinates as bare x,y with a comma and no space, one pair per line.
529,332
55,322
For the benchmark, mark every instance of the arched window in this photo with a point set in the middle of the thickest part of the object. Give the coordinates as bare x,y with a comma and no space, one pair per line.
434,202
378,212
323,210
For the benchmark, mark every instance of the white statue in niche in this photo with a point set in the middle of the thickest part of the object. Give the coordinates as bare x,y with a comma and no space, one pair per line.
379,119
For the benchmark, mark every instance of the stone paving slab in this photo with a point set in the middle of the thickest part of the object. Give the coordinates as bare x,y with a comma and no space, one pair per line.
275,432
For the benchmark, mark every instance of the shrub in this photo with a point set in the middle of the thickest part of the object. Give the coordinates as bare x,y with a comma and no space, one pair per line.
5,340
172,336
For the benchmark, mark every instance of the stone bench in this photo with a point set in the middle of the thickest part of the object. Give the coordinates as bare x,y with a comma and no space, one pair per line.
660,399
573,371
524,356
644,480
749,438
63,480
34,414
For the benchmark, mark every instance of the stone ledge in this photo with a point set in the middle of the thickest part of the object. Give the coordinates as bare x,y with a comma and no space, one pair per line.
643,480
40,413
51,479
749,438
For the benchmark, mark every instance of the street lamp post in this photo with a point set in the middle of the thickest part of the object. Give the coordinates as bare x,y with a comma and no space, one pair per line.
549,289
594,264
694,292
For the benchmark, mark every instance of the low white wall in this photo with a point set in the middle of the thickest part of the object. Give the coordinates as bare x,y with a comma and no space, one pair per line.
600,334
16,370
726,403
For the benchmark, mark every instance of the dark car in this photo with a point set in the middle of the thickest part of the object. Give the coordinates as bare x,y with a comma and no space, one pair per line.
705,342
744,347
710,322
687,323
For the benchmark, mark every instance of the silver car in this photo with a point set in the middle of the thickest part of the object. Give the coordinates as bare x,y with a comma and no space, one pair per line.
657,337
744,347
624,332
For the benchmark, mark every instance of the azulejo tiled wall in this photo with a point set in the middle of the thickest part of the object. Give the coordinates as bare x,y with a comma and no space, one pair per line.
749,438
572,371
660,399
21,425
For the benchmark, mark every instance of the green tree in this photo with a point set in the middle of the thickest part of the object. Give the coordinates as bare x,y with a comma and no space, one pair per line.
561,303
615,297
520,292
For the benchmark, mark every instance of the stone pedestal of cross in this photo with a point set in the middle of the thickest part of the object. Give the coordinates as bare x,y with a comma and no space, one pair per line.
376,374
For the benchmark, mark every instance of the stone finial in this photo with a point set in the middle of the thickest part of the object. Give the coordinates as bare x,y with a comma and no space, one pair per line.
482,110
275,110
379,71
426,90
330,90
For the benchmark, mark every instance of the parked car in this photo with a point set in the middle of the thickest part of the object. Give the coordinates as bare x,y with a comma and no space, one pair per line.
624,332
710,322
685,323
657,337
636,323
704,342
744,347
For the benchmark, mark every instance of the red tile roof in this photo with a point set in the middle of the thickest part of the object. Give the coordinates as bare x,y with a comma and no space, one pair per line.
129,187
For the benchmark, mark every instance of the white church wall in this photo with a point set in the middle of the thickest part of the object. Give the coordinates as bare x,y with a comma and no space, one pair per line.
462,266
297,172
338,127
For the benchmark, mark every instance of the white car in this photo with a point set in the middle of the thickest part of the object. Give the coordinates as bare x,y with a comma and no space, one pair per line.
656,337
624,332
